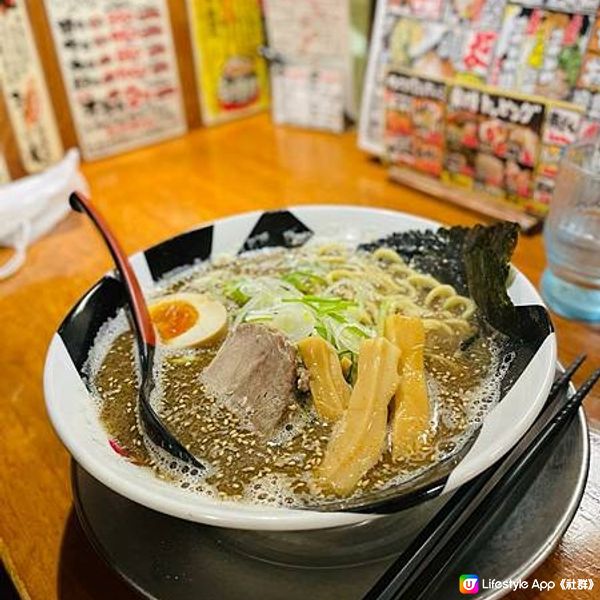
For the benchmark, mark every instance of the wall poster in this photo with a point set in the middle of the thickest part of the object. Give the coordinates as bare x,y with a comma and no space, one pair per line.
308,97
312,37
232,76
118,65
24,89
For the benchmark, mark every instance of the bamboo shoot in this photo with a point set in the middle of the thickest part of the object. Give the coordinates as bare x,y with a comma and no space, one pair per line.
411,410
329,389
360,435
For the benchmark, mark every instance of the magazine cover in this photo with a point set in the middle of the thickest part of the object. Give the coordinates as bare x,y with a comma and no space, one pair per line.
540,52
415,122
522,82
562,126
493,142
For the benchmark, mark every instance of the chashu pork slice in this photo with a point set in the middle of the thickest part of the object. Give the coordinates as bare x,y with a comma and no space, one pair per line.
254,376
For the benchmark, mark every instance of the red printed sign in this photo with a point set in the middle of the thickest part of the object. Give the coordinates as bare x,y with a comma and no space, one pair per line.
119,68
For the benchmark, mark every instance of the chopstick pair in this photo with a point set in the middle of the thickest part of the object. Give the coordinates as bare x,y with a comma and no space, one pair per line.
472,505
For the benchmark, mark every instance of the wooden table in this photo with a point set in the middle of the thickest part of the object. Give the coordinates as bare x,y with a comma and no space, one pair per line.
149,195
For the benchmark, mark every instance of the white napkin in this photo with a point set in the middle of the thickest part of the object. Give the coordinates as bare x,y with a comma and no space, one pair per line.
31,206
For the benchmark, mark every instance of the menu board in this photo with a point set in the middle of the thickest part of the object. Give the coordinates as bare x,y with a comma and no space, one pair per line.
119,69
232,76
307,29
311,38
25,92
308,97
483,94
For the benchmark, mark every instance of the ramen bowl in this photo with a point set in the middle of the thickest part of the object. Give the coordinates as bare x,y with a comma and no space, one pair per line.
75,416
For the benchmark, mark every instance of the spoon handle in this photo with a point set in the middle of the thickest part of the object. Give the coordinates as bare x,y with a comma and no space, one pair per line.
141,317
144,333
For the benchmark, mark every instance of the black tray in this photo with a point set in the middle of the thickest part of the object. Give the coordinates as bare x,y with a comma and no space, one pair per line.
165,558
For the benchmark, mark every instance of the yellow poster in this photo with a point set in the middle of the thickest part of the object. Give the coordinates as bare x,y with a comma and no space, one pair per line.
231,75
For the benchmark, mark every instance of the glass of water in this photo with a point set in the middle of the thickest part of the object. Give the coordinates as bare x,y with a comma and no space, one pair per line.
571,282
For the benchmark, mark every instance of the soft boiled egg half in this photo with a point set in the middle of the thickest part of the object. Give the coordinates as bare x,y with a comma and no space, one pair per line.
187,320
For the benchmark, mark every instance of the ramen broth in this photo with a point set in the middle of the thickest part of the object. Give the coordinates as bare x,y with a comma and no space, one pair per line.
463,370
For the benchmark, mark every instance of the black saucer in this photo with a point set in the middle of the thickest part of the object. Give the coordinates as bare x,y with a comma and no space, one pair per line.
170,559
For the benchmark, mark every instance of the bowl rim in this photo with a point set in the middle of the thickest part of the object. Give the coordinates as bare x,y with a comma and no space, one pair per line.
247,516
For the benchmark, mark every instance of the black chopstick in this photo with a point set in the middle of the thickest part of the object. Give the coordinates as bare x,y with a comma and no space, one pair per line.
565,377
503,487
468,502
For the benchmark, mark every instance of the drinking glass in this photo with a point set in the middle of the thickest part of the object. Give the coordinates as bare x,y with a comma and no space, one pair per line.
571,281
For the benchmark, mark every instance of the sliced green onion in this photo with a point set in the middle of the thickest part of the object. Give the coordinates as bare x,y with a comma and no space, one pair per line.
323,305
232,290
250,318
304,281
322,331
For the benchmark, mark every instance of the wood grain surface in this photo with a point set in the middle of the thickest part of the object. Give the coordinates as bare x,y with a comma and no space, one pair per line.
149,195
8,144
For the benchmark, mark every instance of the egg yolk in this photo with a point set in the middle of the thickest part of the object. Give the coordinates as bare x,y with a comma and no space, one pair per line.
173,318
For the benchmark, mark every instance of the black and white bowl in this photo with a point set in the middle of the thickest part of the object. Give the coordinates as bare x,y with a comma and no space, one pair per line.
75,417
